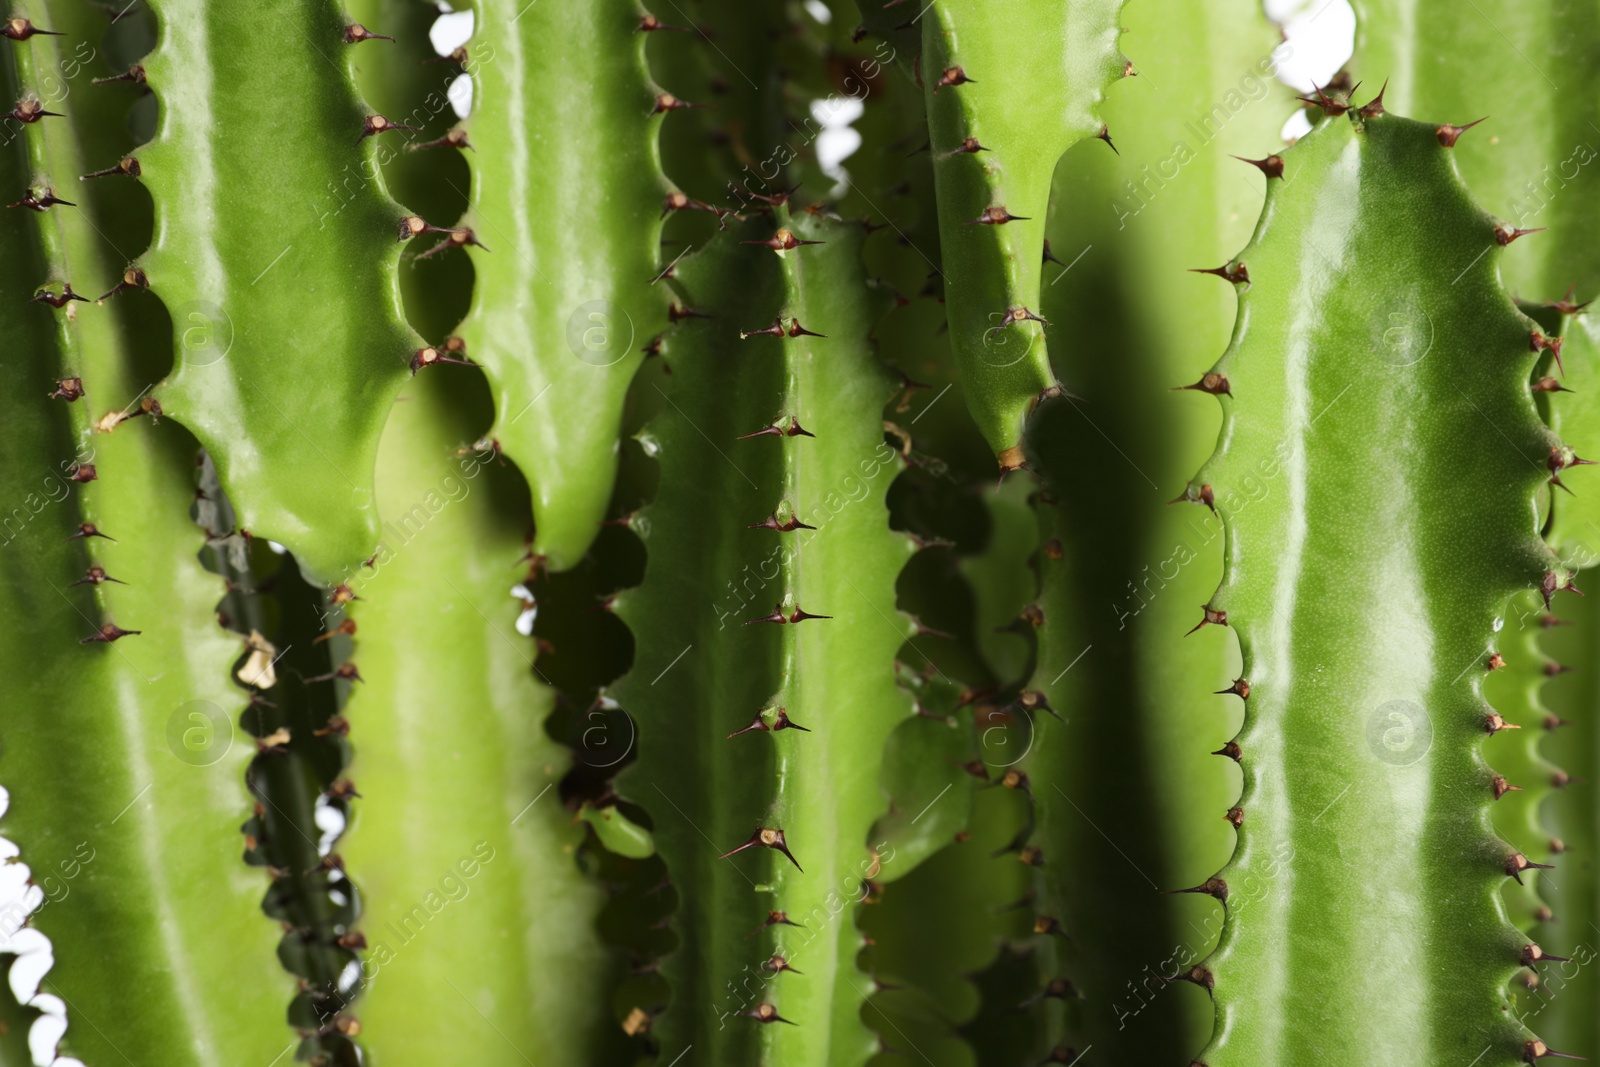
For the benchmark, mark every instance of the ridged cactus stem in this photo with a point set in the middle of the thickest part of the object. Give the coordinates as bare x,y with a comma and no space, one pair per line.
1573,389
1117,837
763,716
999,117
1374,343
567,301
120,755
275,252
479,924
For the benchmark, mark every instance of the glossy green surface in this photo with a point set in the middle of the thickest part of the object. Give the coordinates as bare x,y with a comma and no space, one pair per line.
1575,415
1515,691
565,302
123,760
1567,992
1376,357
275,254
1117,596
1036,74
705,666
1531,70
1568,996
479,923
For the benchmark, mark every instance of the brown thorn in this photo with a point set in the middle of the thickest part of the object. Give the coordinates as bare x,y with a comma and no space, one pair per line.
1236,272
1532,953
1196,974
952,76
346,670
667,102
1448,135
66,296
775,918
41,203
1105,135
1271,166
68,389
134,74
128,166
31,111
782,241
1540,343
1493,723
1212,887
454,139
1012,317
107,634
771,523
132,278
1516,863
766,837
1212,617
1213,382
88,529
427,356
22,29
355,33
995,216
94,576
1535,1050
1505,233
1501,787
1565,305
1374,107
373,125
1331,106
969,146
765,1013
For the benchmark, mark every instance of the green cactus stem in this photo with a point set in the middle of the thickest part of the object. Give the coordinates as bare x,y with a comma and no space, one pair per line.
479,923
1115,596
1565,992
1528,72
275,253
1000,116
764,707
1570,737
568,300
121,756
1374,336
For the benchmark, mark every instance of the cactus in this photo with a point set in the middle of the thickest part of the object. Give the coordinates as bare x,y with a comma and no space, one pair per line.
999,118
483,903
704,706
1388,721
1106,629
763,682
1534,172
257,207
561,318
1570,723
121,758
